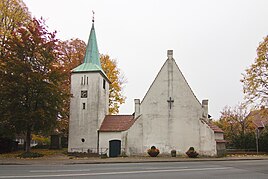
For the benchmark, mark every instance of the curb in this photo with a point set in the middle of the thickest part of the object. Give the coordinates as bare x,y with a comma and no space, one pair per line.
69,162
163,161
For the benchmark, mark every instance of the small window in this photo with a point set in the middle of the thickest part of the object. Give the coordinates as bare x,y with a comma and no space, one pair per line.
104,84
84,105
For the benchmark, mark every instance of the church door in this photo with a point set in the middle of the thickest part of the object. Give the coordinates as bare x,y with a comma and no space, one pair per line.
114,148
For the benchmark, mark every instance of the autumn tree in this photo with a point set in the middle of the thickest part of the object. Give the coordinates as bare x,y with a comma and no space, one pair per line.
71,54
238,129
117,79
13,13
30,91
255,79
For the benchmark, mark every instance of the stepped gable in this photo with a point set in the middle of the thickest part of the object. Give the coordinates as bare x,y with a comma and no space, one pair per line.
117,123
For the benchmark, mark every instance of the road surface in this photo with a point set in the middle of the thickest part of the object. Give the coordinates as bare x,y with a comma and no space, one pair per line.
246,169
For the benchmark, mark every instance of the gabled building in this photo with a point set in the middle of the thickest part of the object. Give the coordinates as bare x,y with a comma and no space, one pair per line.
259,118
168,117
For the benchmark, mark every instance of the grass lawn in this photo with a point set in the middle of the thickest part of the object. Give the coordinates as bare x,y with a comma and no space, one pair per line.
45,152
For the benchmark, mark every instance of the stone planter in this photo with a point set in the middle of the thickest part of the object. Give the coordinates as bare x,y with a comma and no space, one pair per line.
153,152
192,153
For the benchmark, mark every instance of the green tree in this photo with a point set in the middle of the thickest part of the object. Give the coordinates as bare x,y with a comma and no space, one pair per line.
263,140
13,13
30,91
255,79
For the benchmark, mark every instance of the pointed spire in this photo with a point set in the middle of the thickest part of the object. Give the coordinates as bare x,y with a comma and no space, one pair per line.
92,52
92,58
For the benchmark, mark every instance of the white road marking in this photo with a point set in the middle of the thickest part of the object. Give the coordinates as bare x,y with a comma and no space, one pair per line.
117,173
159,168
51,171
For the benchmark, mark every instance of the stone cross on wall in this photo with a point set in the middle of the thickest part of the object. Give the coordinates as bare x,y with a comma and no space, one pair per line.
170,101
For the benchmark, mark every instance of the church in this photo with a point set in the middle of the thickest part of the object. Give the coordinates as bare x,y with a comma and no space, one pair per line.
169,116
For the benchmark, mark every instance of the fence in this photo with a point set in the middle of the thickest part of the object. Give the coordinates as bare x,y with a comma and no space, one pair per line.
243,151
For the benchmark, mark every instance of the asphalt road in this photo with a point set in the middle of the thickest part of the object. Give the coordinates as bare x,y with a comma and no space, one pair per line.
247,169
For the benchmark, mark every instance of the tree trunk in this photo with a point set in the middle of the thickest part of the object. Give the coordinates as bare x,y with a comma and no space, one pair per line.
28,140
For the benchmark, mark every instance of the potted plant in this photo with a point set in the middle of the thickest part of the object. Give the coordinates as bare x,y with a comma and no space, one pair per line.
192,153
153,151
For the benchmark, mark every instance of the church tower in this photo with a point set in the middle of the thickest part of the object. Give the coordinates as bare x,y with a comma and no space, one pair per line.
89,100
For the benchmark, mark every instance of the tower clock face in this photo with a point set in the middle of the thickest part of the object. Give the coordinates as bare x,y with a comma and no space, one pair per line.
84,94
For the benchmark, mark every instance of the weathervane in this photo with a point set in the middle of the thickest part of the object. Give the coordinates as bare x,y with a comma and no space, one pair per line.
93,16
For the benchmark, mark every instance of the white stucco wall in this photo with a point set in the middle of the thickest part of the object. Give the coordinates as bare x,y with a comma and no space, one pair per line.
207,140
84,123
177,128
105,137
219,136
134,138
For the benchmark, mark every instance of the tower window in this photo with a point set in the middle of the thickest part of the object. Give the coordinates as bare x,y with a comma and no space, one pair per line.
104,84
84,105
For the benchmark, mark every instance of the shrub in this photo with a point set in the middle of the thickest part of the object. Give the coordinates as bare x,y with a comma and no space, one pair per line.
30,155
40,147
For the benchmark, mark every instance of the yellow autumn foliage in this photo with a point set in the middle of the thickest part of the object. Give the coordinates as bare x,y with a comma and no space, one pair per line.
255,78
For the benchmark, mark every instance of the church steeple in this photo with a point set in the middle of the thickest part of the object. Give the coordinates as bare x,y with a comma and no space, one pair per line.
92,58
90,99
92,52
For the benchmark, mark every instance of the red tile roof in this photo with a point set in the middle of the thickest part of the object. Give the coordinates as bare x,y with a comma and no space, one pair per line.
259,117
215,128
117,123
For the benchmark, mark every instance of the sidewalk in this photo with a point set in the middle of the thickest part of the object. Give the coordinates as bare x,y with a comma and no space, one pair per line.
65,160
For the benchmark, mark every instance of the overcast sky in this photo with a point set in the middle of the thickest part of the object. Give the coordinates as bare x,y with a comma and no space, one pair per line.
213,41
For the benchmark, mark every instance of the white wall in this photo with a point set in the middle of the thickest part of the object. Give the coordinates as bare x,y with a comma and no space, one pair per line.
134,136
105,137
84,123
207,140
177,128
219,136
